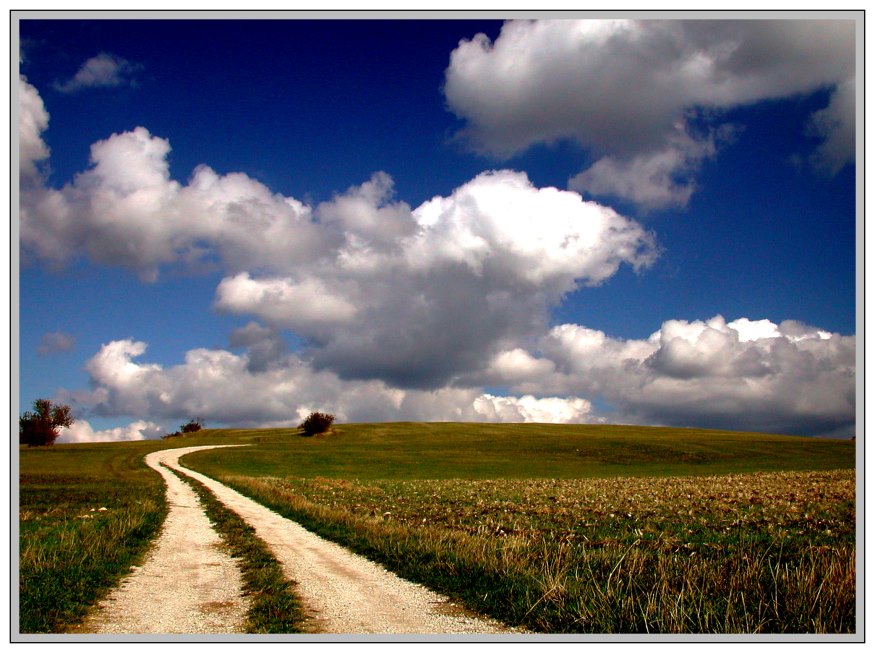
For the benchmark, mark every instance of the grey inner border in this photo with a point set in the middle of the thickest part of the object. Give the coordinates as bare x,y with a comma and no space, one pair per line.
17,15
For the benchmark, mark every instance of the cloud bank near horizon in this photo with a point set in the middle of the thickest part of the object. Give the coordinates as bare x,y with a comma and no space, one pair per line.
81,431
742,375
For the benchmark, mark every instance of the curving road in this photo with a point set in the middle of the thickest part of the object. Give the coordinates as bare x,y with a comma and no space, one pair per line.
342,592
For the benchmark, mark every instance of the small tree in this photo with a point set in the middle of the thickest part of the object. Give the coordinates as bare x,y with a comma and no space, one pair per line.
317,423
40,428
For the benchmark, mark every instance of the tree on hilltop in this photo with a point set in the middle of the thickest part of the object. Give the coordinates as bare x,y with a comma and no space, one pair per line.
41,427
192,426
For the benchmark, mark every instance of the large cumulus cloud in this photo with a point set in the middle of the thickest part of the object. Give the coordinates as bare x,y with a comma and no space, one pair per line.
480,268
125,210
375,288
645,96
229,389
742,375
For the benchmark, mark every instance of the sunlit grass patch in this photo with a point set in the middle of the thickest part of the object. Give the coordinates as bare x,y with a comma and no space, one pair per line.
518,451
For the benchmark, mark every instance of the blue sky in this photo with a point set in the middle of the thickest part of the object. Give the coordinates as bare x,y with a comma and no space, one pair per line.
580,221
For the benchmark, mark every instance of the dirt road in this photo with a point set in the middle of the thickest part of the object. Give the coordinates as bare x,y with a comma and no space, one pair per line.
187,583
343,592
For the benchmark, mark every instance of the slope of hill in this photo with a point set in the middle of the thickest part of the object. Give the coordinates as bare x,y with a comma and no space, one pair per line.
476,450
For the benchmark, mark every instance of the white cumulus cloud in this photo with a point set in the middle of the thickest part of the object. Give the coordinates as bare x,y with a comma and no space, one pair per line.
653,180
223,387
125,210
499,223
743,374
410,313
33,119
626,90
376,289
739,375
550,410
517,365
301,306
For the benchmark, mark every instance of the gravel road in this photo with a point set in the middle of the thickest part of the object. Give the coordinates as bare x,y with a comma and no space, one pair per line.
342,592
187,584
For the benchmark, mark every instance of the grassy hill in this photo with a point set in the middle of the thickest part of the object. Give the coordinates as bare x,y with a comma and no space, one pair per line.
530,523
513,451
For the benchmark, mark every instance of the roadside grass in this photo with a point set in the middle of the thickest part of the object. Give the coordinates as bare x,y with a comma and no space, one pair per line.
274,607
748,553
85,516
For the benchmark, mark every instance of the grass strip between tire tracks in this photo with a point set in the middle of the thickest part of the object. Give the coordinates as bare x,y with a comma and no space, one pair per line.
274,606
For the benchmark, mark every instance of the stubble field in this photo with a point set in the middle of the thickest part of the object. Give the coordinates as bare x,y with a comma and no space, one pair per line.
749,553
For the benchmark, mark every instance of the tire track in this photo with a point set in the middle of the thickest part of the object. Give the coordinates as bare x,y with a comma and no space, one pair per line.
187,584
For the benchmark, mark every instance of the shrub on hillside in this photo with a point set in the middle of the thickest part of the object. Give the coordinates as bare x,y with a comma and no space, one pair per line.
317,423
192,426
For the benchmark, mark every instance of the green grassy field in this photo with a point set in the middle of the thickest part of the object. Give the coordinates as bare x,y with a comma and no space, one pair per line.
592,529
558,528
466,450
